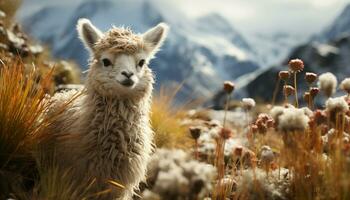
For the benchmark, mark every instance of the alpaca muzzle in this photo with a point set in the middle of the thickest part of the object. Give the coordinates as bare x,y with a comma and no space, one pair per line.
127,82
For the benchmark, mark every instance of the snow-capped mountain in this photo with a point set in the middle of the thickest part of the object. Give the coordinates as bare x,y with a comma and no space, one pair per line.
339,27
328,51
272,48
200,52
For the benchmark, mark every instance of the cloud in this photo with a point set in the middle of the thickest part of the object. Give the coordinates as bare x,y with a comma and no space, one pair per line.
295,16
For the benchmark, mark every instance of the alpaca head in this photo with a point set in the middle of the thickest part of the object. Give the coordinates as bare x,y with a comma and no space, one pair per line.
119,58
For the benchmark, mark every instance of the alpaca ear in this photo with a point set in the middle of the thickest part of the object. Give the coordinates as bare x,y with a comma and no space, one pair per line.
155,37
88,33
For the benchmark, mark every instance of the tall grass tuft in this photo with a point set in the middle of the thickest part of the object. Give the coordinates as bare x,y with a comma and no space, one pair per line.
166,121
21,106
27,162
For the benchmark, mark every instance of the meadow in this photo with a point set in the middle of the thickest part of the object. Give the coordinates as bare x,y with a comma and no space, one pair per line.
298,148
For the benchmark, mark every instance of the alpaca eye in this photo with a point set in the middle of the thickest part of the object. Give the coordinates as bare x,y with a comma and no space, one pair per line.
106,62
141,62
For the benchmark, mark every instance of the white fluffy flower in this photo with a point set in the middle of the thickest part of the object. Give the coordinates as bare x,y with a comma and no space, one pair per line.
248,103
345,85
327,82
337,105
276,111
255,184
293,119
307,111
174,175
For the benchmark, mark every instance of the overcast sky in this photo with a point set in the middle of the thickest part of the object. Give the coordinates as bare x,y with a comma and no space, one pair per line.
303,17
296,16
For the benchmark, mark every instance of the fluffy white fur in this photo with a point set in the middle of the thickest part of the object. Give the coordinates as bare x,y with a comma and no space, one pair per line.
108,125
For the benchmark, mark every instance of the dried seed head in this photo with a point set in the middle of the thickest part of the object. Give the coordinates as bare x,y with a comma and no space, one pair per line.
293,119
238,151
229,86
284,75
345,85
314,91
254,128
327,83
307,97
296,65
266,154
225,133
195,132
263,117
248,103
310,77
320,117
288,90
275,112
270,123
262,127
337,105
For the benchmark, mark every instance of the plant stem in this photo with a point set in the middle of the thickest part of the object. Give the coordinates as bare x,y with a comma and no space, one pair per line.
296,90
276,90
196,150
226,109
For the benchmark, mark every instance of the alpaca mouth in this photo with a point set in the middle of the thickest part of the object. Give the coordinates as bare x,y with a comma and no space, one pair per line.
127,82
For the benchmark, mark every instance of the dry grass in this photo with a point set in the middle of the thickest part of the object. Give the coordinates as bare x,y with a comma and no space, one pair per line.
23,134
9,7
21,107
165,120
316,169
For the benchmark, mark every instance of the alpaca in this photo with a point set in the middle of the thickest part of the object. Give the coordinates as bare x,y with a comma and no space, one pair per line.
109,122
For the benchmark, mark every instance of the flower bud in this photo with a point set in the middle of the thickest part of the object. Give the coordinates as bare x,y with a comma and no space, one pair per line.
229,86
254,128
284,75
310,77
288,90
195,132
307,97
296,65
225,133
314,91
238,151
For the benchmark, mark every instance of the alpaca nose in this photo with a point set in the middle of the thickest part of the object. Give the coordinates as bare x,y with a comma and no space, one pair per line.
127,74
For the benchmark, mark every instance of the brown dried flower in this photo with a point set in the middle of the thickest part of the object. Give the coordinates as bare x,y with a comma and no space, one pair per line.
225,133
229,86
270,123
288,90
238,151
284,75
320,117
310,77
314,91
254,128
307,96
296,65
195,132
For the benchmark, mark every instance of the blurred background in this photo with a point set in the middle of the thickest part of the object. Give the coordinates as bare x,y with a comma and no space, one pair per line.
247,41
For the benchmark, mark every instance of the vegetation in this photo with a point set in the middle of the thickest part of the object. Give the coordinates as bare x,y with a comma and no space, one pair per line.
266,152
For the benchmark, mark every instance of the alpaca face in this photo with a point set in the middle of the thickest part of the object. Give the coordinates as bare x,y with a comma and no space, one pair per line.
120,74
119,58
